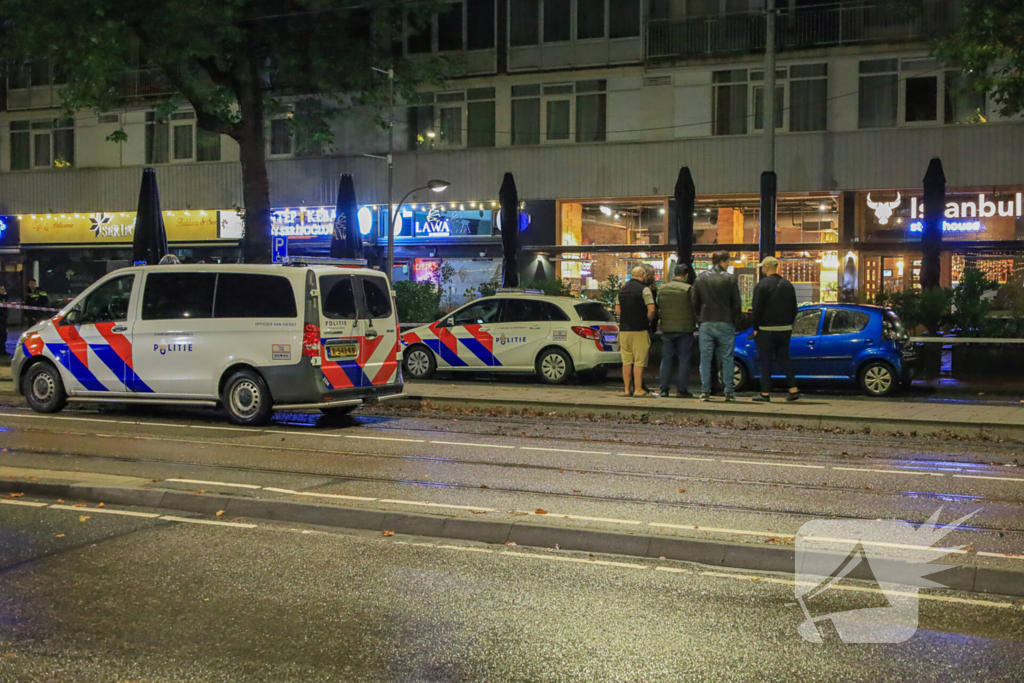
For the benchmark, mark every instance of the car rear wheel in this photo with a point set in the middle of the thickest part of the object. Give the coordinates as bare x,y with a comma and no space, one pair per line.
554,366
246,399
740,377
878,379
419,362
43,388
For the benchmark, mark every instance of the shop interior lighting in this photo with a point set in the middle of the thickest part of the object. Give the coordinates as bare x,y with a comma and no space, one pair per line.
605,210
661,211
821,207
431,134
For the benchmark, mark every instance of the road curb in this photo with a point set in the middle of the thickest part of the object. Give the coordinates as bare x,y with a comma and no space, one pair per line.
707,552
726,418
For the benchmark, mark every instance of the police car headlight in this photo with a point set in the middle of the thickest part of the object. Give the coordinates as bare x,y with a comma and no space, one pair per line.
23,338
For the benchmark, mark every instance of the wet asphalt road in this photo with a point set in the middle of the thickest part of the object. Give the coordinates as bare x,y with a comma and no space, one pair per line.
114,598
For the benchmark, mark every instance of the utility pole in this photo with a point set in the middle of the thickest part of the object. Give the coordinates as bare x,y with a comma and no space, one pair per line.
769,181
389,271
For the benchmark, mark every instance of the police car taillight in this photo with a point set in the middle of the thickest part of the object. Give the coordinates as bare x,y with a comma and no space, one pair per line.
311,341
587,333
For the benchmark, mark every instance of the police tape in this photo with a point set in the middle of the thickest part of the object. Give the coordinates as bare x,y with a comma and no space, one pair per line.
23,307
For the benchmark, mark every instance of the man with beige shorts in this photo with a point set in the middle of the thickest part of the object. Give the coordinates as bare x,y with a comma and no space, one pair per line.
636,310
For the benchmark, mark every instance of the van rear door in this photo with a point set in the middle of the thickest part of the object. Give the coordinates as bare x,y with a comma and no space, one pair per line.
379,321
340,331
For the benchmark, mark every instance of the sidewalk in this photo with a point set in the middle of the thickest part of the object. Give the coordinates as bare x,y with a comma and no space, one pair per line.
810,412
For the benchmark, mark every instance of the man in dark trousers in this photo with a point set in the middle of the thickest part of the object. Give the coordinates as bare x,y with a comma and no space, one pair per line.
773,316
716,302
675,312
635,309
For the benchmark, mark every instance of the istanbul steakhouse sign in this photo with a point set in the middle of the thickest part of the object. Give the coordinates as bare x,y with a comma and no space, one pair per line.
959,216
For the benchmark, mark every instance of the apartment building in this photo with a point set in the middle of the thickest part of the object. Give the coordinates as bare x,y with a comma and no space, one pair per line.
593,105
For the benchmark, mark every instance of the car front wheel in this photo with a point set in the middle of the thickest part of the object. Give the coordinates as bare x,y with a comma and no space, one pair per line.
44,389
554,366
739,376
419,362
878,379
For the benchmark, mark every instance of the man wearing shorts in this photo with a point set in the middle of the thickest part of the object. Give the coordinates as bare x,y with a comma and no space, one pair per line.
635,309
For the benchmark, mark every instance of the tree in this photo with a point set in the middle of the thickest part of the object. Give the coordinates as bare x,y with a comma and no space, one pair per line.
238,63
989,44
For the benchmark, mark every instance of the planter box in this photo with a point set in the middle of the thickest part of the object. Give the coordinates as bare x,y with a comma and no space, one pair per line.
987,360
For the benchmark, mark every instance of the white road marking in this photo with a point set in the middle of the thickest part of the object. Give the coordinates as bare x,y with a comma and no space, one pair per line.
1009,556
151,424
978,476
24,503
881,544
83,419
863,589
379,438
214,483
36,417
555,558
563,450
774,464
671,570
321,495
210,522
864,469
106,511
229,429
744,532
602,519
459,547
664,457
479,445
436,505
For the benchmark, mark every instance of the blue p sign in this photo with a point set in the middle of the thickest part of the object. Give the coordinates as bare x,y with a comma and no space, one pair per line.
280,249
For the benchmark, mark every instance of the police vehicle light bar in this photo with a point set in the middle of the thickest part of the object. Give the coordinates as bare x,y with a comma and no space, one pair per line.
323,261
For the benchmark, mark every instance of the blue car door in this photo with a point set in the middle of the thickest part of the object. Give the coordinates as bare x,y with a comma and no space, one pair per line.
803,347
844,336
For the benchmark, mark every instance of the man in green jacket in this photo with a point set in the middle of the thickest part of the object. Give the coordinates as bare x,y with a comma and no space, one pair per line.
678,324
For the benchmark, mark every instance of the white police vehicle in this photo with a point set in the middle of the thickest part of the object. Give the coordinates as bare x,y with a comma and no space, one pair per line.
517,331
249,338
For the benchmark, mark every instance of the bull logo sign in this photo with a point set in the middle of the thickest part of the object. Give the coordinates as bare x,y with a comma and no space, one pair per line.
883,210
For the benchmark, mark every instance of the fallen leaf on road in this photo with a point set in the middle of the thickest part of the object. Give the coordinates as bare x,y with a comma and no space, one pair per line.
59,500
83,518
969,548
561,471
100,505
479,512
538,511
220,513
682,490
483,486
15,495
238,519
389,533
755,578
60,535
510,543
32,478
591,554
575,490
10,654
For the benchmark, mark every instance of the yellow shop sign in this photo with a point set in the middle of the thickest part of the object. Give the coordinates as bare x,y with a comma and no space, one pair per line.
119,228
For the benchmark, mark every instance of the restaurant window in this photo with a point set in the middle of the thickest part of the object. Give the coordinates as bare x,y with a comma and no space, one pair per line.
526,115
21,145
589,19
480,115
624,18
158,132
207,145
557,19
557,111
878,95
480,24
450,109
280,137
524,24
963,103
449,28
730,102
183,130
808,97
590,111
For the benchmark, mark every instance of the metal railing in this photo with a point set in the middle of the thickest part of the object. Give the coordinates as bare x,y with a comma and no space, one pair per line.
143,83
811,27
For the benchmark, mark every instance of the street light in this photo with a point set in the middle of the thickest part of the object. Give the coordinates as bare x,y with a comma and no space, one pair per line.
390,73
436,186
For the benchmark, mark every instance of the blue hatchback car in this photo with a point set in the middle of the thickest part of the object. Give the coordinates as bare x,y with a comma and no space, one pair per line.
848,343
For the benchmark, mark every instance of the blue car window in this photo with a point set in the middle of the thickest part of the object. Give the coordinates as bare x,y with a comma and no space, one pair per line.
806,323
843,321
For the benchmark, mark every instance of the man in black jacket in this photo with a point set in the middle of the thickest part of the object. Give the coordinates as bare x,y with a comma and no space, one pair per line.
635,309
773,316
716,303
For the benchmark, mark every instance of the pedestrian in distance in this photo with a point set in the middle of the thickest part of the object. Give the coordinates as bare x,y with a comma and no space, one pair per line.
675,312
635,308
716,302
772,317
35,297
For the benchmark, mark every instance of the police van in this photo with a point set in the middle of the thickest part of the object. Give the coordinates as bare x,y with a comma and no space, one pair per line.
517,331
248,338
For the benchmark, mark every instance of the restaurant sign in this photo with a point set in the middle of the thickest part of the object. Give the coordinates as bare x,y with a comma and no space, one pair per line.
118,228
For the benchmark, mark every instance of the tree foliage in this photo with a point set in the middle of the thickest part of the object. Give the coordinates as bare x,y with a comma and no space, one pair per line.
238,63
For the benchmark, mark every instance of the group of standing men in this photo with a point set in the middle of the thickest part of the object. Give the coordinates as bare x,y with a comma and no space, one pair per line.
710,305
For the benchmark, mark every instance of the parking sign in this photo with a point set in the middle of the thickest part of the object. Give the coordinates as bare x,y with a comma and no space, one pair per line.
280,249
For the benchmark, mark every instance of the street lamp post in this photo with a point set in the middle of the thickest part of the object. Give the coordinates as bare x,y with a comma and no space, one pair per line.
391,163
436,186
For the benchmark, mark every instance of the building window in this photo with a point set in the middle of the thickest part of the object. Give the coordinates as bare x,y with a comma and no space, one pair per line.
589,19
420,41
526,115
557,20
21,145
280,137
480,112
780,99
183,131
158,135
962,102
39,72
64,143
808,97
449,28
450,109
558,111
590,111
878,97
920,91
480,24
524,22
624,18
207,145
18,76
730,102
420,124
41,143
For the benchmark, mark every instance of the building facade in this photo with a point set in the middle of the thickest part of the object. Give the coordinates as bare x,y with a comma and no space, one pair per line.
593,105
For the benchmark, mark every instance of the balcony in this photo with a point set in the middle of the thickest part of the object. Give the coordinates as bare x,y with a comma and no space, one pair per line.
806,28
144,83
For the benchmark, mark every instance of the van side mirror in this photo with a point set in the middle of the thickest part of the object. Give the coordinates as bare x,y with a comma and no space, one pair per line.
73,316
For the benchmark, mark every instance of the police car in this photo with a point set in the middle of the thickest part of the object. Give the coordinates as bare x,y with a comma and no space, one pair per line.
249,338
517,331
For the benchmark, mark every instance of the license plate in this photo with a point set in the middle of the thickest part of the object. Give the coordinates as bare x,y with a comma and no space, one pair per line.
345,351
610,338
